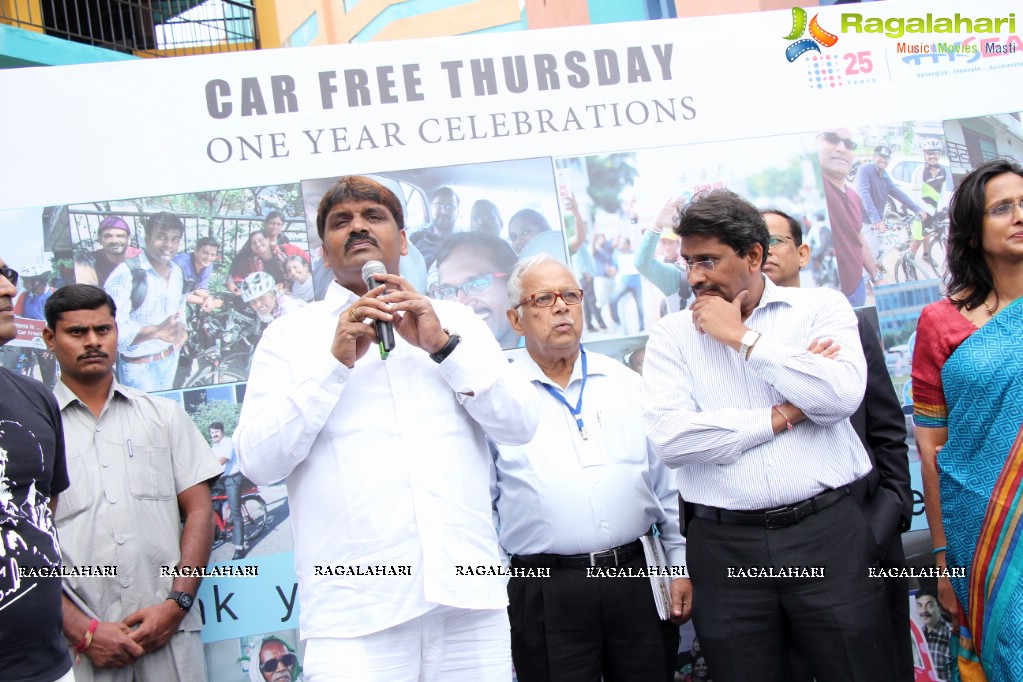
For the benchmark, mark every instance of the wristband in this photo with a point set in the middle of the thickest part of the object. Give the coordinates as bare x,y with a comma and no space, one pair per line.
788,424
445,351
937,550
87,638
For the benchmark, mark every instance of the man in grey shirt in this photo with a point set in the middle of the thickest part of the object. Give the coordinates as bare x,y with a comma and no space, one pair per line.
139,467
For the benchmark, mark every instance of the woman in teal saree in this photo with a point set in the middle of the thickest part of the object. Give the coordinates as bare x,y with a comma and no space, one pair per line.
968,413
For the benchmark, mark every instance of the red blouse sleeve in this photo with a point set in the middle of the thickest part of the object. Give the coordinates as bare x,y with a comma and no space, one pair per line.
939,332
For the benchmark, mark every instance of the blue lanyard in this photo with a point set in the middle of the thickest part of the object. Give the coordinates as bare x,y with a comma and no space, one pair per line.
578,409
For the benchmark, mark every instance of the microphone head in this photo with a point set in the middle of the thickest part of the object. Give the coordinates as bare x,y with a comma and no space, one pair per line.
373,267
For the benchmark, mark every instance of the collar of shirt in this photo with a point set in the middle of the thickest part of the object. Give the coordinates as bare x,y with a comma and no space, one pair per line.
65,396
774,294
534,373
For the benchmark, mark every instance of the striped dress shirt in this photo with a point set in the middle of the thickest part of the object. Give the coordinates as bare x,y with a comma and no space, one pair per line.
707,411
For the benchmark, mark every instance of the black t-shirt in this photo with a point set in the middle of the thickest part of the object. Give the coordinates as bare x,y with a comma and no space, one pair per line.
32,468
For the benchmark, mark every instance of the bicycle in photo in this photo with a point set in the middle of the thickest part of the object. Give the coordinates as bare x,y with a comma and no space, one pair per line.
254,514
220,344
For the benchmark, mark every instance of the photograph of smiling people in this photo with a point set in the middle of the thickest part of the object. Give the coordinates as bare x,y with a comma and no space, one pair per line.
178,293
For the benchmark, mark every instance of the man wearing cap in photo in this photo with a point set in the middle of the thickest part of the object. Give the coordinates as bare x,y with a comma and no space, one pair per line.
875,186
113,235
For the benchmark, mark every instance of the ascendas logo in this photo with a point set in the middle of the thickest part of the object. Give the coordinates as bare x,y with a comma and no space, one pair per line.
896,27
799,26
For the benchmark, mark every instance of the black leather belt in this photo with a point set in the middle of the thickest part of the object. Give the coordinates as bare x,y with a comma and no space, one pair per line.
615,556
778,517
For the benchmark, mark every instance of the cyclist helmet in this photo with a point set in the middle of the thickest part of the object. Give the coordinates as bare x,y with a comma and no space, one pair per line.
932,145
256,284
30,271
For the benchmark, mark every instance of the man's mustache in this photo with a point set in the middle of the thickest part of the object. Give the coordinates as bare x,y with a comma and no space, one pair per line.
359,237
93,354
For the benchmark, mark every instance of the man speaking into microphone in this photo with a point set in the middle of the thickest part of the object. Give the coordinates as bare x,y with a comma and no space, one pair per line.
386,462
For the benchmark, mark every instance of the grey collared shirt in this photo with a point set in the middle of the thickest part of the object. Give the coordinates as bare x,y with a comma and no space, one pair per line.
126,469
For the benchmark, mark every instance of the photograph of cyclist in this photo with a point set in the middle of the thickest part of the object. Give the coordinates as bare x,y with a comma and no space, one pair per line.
261,293
876,188
223,450
932,179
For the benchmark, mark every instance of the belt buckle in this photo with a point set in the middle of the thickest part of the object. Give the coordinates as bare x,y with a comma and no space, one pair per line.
779,518
608,553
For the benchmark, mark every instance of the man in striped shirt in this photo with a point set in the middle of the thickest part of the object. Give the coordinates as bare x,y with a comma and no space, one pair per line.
739,398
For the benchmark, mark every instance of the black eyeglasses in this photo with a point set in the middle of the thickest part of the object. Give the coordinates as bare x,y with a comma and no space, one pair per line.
11,274
270,665
474,287
546,299
835,138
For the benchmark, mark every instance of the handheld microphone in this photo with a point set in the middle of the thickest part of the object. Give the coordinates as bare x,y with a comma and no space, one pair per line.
385,330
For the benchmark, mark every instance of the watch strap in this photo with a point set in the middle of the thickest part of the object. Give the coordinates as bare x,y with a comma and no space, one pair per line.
176,597
747,342
447,348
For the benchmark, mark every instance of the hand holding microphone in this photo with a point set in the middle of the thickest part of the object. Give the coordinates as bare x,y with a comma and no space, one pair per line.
397,308
384,329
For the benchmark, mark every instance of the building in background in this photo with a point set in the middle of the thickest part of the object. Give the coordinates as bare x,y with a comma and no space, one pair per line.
60,32
55,32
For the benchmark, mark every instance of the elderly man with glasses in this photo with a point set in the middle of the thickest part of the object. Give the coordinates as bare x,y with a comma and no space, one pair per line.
574,502
757,425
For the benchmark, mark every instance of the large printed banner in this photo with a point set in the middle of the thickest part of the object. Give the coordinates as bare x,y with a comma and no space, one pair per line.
247,119
573,142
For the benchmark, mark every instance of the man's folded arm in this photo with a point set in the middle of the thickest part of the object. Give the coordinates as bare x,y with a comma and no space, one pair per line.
678,432
826,390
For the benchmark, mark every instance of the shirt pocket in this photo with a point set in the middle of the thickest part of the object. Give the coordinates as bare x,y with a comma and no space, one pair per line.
78,497
150,472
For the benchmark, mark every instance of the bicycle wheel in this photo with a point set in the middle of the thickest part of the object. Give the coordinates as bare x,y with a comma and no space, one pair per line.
254,514
902,273
936,252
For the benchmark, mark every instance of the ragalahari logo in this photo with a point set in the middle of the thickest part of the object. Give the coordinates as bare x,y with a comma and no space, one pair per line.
817,35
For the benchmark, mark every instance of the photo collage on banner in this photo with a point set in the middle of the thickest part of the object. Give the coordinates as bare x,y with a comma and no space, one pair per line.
241,261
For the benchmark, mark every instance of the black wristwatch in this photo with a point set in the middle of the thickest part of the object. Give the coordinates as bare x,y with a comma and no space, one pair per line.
183,599
445,351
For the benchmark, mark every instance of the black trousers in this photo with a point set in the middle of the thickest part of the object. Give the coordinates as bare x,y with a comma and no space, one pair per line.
748,627
897,598
571,628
